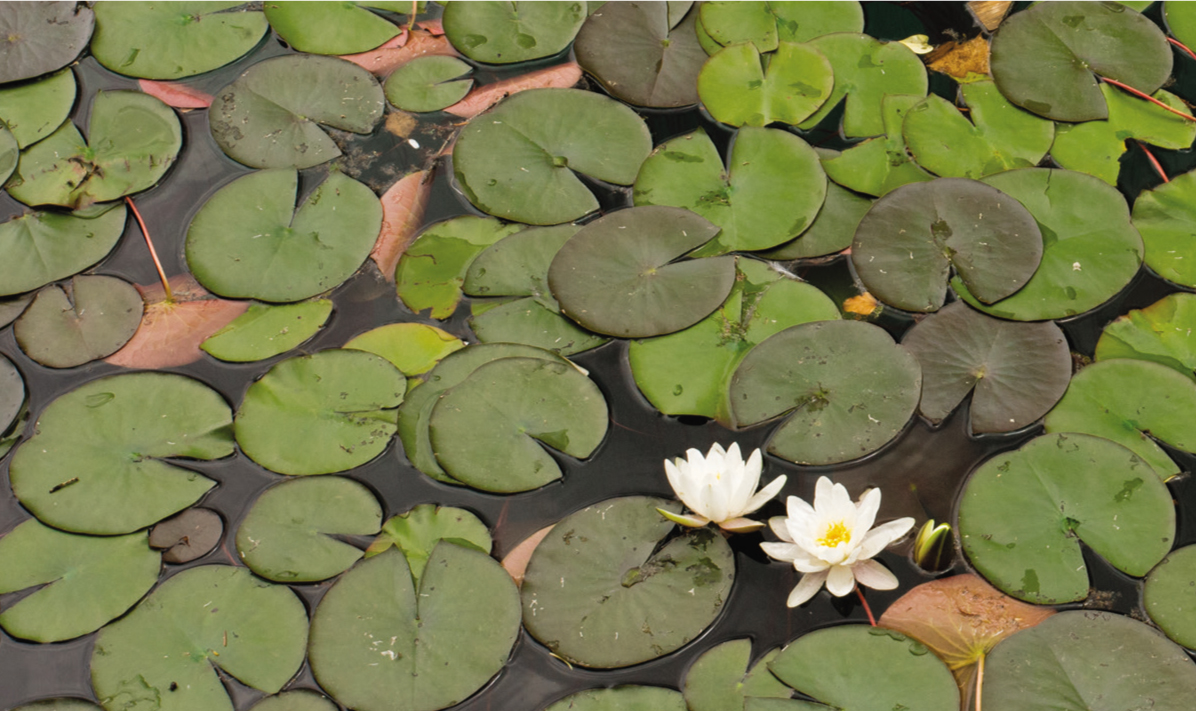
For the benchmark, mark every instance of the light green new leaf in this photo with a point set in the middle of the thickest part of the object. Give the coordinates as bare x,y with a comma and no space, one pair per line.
1166,218
329,27
417,532
736,89
265,331
765,23
433,269
879,165
413,348
1161,332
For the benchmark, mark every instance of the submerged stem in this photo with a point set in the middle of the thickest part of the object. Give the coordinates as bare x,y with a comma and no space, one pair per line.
1158,168
1148,97
871,619
153,252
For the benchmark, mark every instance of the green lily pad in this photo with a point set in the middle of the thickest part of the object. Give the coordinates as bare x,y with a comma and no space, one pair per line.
1023,514
41,37
1161,332
381,643
1181,21
642,54
1166,218
622,698
1090,251
769,192
865,70
433,269
417,532
1169,596
509,32
167,651
866,668
724,677
300,700
1018,370
737,90
270,116
1088,659
1133,403
85,581
908,243
322,413
10,152
59,705
329,27
999,136
12,307
850,390
42,247
486,431
413,348
90,319
249,241
133,139
175,39
425,83
12,396
265,331
764,24
833,229
98,460
34,110
623,601
287,536
517,161
1095,147
620,276
1047,59
880,165
689,372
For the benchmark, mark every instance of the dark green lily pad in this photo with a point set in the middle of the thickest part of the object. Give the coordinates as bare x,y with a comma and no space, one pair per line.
1133,403
911,239
90,319
769,192
167,651
1019,370
622,698
12,307
866,668
381,643
41,37
880,165
425,83
287,536
623,601
175,39
270,116
433,269
1023,514
321,413
85,581
42,247
1047,58
1166,218
724,678
689,372
413,348
865,70
34,110
1088,659
486,431
1095,147
737,90
619,275
509,32
1161,332
417,532
765,23
329,27
849,387
249,241
132,140
265,331
299,700
1169,596
833,229
1090,251
642,54
517,161
98,460
999,136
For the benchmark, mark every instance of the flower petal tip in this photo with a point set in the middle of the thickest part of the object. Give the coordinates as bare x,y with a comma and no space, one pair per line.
682,519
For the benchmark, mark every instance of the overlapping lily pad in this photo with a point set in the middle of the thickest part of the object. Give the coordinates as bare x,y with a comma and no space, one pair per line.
509,32
12,402
418,531
265,330
426,83
1166,218
42,247
41,37
622,698
175,39
249,241
270,116
1169,596
724,678
518,160
879,165
413,348
329,27
764,24
322,413
34,110
623,601
769,192
90,319
98,461
1023,514
1161,332
737,89
433,269
833,229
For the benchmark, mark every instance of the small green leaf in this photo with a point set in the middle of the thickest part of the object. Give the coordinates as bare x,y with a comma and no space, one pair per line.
91,319
417,532
1169,596
413,348
423,84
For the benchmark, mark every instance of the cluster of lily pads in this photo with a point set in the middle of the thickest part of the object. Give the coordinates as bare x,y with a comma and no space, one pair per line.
985,215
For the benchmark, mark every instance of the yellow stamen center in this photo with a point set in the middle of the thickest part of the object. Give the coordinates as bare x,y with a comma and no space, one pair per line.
836,533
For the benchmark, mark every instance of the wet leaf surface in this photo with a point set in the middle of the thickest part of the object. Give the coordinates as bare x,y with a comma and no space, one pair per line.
509,32
93,317
188,535
765,23
737,90
833,229
265,331
41,37
42,247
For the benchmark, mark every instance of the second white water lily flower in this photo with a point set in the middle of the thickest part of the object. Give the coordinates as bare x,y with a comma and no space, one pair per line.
719,487
833,542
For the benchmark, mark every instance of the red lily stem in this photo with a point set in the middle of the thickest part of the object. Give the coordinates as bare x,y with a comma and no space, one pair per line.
1148,97
1182,47
864,602
153,252
1158,168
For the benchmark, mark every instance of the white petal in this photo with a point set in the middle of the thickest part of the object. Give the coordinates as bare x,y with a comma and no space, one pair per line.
764,495
824,490
779,526
809,584
677,481
872,574
866,510
880,537
841,507
781,551
717,452
732,453
798,509
714,501
742,484
839,580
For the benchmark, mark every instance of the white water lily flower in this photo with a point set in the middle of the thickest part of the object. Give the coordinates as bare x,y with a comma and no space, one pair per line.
833,542
719,487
